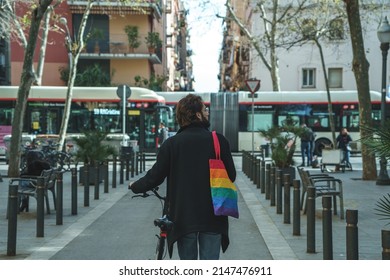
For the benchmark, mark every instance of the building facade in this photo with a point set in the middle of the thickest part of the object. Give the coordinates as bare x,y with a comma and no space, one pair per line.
299,65
115,34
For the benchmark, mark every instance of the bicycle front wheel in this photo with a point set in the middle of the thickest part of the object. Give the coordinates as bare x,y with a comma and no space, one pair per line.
160,249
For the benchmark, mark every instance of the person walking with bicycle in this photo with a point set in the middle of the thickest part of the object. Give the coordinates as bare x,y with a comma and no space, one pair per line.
343,140
183,160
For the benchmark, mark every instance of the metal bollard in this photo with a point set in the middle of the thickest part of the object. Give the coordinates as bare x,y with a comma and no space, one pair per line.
311,220
385,244
86,185
279,194
74,191
40,206
12,219
114,166
352,235
287,203
121,172
296,208
272,186
59,198
262,176
267,180
127,169
257,173
327,238
97,183
143,162
106,189
137,161
132,164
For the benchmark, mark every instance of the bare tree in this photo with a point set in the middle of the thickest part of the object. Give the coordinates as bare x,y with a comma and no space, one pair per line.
75,47
26,81
360,69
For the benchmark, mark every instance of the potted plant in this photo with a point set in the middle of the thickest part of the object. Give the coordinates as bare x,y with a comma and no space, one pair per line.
92,151
132,37
153,41
283,144
97,34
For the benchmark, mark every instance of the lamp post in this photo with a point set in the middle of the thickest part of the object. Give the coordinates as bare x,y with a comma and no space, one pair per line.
68,39
384,37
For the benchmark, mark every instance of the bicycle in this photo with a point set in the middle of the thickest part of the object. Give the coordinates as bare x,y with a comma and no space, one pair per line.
163,223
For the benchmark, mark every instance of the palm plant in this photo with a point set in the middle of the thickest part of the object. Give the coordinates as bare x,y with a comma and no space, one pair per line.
378,142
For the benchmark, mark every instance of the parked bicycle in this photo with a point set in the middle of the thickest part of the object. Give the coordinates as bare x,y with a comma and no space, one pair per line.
57,159
163,223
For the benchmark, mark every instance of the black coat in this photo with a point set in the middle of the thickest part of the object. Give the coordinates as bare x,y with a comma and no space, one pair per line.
184,160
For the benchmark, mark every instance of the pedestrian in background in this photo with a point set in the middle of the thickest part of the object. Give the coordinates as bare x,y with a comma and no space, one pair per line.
162,134
306,145
343,140
183,160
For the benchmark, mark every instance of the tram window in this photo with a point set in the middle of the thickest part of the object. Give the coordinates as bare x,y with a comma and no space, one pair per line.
261,121
288,120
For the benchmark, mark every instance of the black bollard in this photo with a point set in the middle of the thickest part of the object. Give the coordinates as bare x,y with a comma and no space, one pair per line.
257,173
385,244
296,208
127,169
352,235
114,166
12,219
132,164
137,161
262,176
287,203
327,238
106,177
121,172
279,194
272,186
86,185
59,198
311,220
74,191
143,162
267,180
40,206
97,183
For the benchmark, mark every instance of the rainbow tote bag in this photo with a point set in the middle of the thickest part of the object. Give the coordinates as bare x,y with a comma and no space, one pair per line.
223,190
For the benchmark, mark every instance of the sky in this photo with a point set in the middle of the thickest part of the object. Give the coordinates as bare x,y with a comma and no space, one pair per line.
206,38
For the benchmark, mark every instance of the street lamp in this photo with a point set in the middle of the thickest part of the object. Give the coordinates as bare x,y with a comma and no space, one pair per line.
68,39
384,37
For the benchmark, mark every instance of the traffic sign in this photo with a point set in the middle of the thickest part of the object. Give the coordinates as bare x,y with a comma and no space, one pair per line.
123,89
253,85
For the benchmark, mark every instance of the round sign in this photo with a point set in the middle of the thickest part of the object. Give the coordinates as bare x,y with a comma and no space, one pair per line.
121,89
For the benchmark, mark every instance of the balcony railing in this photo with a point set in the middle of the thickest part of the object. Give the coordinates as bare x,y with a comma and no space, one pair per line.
107,7
117,47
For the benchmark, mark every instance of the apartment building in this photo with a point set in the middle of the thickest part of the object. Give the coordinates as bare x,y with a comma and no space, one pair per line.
117,43
300,65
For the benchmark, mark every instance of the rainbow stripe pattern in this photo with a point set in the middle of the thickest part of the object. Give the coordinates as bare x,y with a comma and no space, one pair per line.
223,190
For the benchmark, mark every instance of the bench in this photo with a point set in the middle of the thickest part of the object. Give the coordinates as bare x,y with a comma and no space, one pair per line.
325,186
49,180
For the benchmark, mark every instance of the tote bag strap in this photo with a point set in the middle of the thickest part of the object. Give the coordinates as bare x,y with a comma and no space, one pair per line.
216,145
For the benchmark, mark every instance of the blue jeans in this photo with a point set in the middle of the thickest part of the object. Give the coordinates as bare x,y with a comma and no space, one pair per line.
209,246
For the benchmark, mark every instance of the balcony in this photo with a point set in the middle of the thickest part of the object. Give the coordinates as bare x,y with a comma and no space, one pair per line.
147,7
117,48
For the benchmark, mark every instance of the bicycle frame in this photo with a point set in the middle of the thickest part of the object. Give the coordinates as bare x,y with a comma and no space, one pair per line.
163,223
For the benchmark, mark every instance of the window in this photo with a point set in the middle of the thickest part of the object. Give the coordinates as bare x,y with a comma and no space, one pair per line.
308,77
335,77
336,29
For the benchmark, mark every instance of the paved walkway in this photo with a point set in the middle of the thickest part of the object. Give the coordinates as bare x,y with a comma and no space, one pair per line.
118,226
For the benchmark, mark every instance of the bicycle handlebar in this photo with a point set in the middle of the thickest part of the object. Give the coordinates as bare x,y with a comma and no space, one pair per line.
146,194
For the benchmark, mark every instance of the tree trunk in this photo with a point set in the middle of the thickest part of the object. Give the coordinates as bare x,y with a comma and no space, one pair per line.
360,69
26,81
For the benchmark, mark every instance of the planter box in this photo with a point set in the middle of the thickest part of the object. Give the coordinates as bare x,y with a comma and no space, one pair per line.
91,174
288,170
